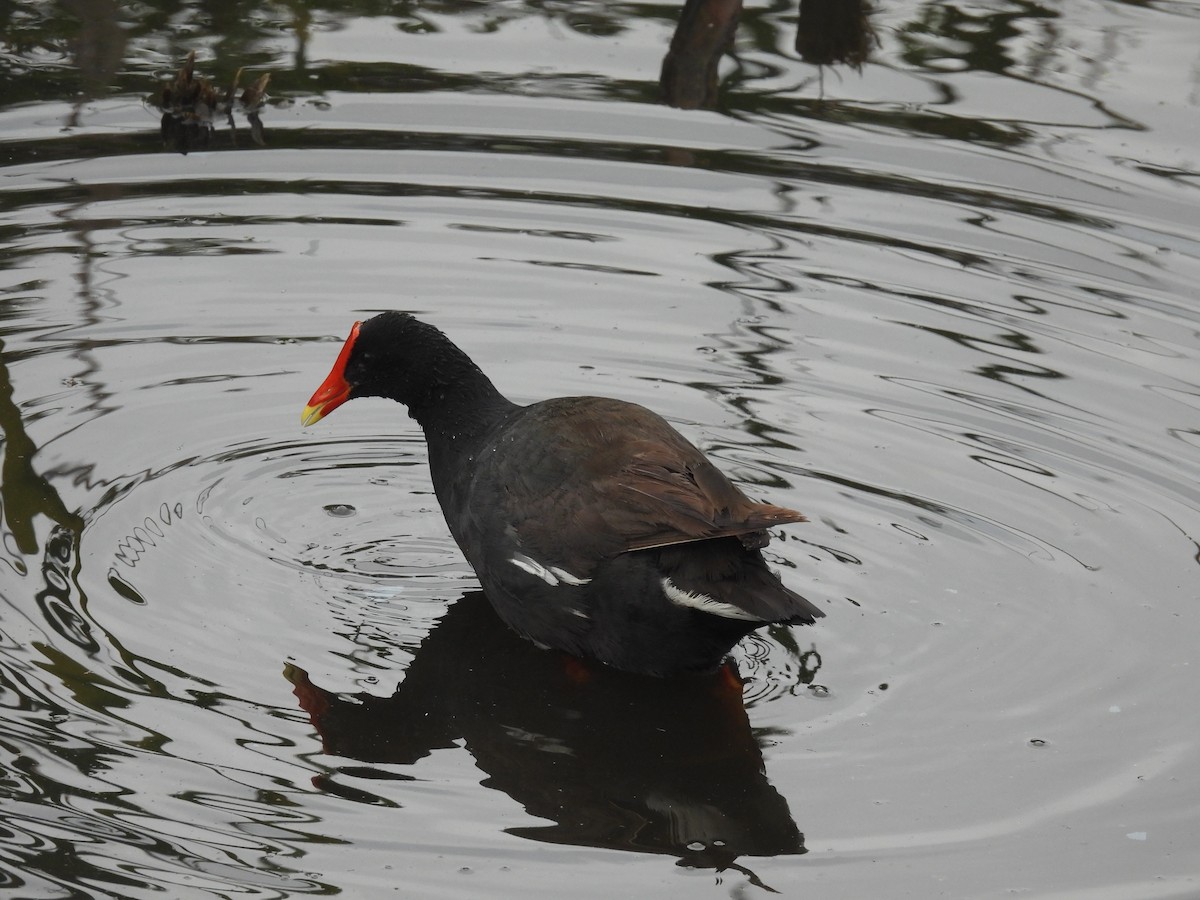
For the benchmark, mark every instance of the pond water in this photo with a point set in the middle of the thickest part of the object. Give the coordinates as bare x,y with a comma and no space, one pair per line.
946,306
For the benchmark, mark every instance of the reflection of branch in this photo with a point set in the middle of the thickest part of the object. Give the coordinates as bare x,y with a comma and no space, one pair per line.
24,493
828,32
98,48
704,34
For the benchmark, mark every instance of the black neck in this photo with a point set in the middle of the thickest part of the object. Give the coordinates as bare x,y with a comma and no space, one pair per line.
458,403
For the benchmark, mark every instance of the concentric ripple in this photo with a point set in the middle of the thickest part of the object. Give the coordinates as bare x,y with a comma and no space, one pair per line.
344,535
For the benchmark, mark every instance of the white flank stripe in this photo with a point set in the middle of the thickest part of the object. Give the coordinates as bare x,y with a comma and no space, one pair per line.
564,575
552,575
533,567
704,603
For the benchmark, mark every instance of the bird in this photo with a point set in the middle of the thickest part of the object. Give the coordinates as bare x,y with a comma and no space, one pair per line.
592,524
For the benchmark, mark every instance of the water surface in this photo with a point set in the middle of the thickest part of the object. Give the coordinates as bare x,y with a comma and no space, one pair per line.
946,306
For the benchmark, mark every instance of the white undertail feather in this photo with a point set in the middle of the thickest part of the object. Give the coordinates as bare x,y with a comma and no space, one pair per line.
704,603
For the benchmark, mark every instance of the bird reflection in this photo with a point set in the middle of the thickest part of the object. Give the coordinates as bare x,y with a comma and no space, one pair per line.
611,759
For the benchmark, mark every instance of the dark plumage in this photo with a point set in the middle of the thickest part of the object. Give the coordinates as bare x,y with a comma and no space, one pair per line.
593,525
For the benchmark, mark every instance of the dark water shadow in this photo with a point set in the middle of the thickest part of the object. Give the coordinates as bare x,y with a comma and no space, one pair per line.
613,760
24,493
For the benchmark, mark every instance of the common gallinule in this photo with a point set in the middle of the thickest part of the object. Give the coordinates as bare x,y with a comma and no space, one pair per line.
593,525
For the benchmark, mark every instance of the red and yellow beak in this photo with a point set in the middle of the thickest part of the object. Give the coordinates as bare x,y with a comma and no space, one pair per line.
335,389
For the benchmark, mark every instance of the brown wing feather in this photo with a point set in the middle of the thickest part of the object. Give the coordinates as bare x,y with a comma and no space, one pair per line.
684,498
612,477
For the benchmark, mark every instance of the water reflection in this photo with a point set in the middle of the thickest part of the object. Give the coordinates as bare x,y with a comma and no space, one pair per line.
98,49
24,493
828,32
704,34
973,355
191,104
835,31
613,760
95,36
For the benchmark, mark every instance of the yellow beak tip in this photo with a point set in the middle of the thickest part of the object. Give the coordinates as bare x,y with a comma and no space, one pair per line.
311,415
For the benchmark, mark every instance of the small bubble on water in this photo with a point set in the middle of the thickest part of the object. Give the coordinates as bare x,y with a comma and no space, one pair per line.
340,510
696,845
1037,742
